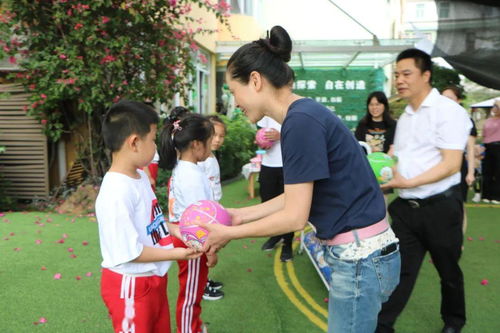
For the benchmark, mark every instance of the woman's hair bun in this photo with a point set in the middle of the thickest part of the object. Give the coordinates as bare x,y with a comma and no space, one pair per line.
280,43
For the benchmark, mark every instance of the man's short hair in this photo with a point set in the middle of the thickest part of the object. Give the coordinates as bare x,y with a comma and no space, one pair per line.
422,60
124,119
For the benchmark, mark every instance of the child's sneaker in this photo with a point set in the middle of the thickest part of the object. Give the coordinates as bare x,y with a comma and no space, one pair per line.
486,200
476,198
211,294
496,202
214,284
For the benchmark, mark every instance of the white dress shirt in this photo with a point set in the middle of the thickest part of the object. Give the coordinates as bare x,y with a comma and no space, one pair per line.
439,123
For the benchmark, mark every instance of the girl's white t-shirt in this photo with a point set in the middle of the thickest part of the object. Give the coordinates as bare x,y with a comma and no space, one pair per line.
188,185
129,218
272,157
211,168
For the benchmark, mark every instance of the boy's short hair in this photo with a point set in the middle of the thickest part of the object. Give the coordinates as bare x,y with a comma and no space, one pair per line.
124,119
422,60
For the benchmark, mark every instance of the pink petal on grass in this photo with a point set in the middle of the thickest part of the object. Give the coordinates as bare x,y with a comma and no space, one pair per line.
481,238
61,241
43,268
325,299
38,241
6,238
85,243
72,256
88,274
17,249
252,241
64,235
78,277
2,214
469,238
249,270
484,282
245,246
42,320
11,234
57,276
70,249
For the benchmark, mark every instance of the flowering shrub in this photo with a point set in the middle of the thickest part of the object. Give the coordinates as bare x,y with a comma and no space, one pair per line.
78,57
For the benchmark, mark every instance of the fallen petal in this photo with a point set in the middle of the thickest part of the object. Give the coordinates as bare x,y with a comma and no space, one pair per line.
469,238
38,241
252,241
85,243
42,320
57,276
484,282
89,274
325,299
65,235
17,249
245,246
78,277
481,238
61,241
11,234
72,256
43,268
70,249
249,270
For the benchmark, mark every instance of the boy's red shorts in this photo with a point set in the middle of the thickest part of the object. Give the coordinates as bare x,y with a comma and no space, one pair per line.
136,304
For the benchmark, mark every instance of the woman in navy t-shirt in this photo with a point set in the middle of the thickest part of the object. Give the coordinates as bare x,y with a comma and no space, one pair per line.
328,182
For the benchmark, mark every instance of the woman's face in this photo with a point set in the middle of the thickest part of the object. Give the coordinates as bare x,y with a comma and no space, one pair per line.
450,94
376,108
246,98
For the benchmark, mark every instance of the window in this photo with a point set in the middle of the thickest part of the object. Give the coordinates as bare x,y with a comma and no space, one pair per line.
244,7
420,10
199,96
444,9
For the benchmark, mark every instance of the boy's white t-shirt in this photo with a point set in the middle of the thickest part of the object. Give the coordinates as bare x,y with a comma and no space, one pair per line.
211,168
129,218
188,185
272,157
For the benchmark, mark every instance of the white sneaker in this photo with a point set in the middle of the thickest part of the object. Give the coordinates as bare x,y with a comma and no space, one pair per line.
476,198
486,201
496,202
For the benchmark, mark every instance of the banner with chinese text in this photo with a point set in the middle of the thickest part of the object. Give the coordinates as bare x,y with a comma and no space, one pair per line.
344,91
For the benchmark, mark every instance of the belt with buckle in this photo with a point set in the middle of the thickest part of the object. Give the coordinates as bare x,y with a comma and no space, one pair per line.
418,203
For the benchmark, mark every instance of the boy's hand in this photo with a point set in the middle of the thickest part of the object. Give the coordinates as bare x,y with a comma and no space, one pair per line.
185,253
212,260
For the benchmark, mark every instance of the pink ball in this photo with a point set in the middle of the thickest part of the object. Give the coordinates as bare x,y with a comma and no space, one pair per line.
205,211
261,139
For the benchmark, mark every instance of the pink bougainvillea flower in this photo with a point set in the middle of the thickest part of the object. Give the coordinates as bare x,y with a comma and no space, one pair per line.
57,276
11,234
325,299
252,241
78,26
481,238
43,96
38,241
469,238
64,235
43,121
194,46
245,246
104,19
42,320
88,274
78,277
85,243
172,3
43,268
2,214
61,241
484,282
62,56
73,256
17,249
70,249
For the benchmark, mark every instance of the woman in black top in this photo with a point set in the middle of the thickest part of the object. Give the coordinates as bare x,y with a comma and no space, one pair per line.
377,127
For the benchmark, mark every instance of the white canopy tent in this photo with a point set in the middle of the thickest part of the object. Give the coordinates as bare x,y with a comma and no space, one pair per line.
485,104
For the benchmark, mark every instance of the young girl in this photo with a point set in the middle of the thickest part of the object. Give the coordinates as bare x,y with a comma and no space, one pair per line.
212,170
184,143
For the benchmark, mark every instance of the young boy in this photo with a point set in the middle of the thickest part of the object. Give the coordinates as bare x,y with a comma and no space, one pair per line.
135,242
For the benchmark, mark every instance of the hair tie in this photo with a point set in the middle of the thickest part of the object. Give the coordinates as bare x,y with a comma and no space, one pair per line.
177,128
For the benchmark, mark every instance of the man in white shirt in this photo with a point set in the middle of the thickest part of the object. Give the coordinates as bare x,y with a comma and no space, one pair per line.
427,216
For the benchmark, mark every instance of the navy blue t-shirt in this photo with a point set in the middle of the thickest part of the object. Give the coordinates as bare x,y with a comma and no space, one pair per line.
316,146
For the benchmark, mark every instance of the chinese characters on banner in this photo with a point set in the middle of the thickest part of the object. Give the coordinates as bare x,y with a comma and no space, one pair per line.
343,91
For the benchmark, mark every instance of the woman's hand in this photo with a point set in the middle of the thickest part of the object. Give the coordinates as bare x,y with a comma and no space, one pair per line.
236,218
218,237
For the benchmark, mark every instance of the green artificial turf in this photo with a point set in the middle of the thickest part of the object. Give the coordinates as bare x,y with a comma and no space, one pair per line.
254,302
